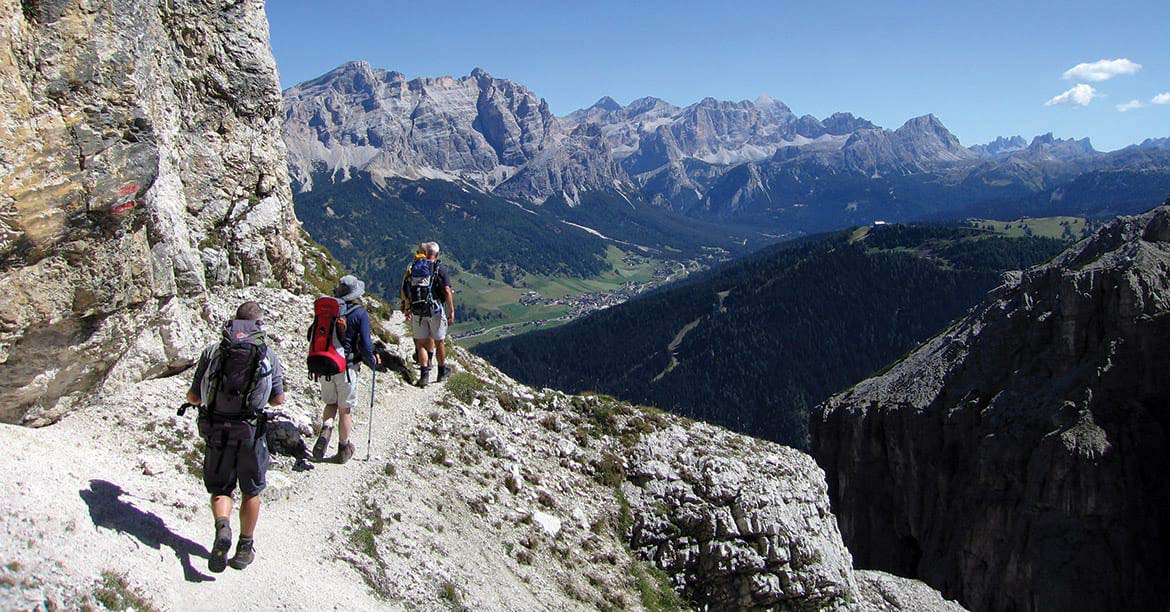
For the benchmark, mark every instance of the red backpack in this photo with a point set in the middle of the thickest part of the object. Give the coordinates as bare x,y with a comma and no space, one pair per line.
326,356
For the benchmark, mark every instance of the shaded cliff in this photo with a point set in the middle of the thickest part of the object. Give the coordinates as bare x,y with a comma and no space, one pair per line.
1017,460
140,160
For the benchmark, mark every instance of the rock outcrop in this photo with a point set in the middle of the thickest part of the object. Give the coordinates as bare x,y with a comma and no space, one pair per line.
741,524
140,160
1016,461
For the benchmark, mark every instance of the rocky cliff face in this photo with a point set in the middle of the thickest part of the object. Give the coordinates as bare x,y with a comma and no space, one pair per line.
140,160
1016,461
476,128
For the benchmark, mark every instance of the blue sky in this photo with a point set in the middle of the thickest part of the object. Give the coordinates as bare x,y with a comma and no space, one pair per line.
985,69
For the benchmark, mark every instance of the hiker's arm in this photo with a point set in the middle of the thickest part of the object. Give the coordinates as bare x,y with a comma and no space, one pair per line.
450,303
197,381
403,296
368,354
276,396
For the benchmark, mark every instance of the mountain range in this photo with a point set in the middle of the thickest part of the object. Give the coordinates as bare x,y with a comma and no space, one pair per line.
754,163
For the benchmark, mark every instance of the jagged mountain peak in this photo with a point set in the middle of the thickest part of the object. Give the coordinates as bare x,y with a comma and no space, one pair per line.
606,103
1156,143
846,123
927,122
476,128
1001,146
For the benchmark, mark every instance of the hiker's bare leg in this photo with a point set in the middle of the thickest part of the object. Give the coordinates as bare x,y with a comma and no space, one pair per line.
249,513
420,346
329,412
440,353
345,424
221,506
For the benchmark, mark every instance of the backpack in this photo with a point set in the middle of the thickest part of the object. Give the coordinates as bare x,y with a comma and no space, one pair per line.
422,294
238,379
326,347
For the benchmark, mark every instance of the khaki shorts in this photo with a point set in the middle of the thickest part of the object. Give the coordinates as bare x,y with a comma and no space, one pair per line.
433,327
340,389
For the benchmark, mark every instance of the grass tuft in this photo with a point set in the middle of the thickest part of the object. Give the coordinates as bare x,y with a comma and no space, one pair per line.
654,588
116,594
464,387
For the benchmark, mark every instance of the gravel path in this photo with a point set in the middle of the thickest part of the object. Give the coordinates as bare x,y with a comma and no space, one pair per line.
94,493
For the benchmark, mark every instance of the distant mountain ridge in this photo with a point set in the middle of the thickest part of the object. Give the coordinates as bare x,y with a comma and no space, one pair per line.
753,162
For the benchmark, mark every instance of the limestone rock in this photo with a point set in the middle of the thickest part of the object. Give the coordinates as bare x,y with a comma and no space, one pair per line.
139,138
738,528
548,523
1010,462
476,128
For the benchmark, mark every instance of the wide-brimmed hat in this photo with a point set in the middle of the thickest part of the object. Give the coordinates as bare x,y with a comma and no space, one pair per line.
349,288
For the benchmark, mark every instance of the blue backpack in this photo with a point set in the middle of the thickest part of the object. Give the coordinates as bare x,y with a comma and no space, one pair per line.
422,294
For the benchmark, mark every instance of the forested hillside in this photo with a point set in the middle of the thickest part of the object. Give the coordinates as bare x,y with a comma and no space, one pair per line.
373,226
754,344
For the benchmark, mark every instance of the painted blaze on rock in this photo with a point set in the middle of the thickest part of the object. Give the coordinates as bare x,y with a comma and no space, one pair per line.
140,145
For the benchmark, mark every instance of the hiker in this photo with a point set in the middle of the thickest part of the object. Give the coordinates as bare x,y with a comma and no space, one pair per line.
339,391
234,380
427,298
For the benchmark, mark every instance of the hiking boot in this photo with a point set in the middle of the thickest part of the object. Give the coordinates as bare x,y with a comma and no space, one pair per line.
219,550
344,452
444,374
322,442
245,554
424,377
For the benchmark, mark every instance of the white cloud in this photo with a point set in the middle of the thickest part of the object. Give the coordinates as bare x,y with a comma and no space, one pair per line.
1079,95
1162,98
1131,105
1101,70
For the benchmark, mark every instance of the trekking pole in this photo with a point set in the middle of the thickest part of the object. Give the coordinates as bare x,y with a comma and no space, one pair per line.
370,426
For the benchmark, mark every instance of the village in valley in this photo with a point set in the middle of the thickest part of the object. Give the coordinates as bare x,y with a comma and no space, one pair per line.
569,306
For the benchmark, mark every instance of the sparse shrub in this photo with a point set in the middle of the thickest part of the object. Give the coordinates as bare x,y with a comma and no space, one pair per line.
439,456
389,470
463,386
450,593
116,594
654,588
610,470
508,401
370,525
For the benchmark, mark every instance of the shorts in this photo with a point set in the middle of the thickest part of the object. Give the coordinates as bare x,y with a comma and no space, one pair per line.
234,455
340,389
433,327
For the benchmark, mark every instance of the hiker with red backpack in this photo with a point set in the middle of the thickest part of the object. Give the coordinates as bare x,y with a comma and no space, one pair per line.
235,379
427,299
346,330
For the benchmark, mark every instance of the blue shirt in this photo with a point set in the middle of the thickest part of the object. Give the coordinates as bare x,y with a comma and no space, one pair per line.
357,335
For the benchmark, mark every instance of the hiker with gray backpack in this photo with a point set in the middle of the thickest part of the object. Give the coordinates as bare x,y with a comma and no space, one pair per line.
427,299
235,379
339,342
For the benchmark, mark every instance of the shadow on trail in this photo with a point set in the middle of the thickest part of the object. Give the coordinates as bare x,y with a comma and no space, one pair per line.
107,509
